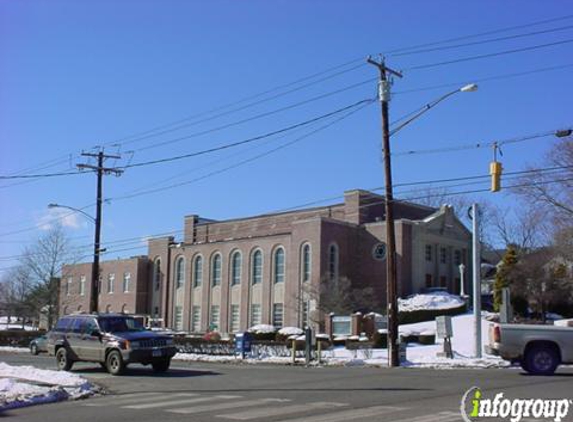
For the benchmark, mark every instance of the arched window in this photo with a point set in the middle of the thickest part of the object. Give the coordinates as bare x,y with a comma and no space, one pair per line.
279,263
180,273
305,260
216,270
198,271
333,262
157,274
236,268
257,267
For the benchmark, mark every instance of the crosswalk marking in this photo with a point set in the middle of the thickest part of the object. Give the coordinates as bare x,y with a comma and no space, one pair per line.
274,411
438,417
224,406
135,398
347,415
178,402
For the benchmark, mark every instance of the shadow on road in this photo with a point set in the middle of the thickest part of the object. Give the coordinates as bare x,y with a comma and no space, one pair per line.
147,372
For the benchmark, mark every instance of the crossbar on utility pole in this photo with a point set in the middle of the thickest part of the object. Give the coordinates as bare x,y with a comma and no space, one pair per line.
100,171
391,276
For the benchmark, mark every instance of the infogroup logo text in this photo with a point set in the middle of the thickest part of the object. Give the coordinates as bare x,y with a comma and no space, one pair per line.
512,409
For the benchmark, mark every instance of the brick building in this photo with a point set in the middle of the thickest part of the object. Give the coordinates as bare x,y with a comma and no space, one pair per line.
229,275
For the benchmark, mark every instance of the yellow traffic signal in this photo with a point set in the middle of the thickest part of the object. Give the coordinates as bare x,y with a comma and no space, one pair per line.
495,170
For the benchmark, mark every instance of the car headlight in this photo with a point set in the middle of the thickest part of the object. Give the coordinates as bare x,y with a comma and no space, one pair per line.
169,342
134,344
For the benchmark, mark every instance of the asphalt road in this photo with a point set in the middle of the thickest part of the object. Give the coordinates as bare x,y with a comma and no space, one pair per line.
219,393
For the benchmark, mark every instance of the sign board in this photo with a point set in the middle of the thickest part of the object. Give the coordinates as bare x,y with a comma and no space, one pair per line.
444,326
379,251
341,325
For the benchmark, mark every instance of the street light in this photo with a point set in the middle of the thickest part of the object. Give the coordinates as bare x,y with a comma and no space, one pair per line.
85,214
391,277
95,267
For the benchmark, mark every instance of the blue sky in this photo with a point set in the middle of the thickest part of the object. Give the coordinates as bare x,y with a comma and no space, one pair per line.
81,74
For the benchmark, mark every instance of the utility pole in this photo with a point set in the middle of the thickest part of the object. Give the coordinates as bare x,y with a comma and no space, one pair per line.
100,171
391,276
476,257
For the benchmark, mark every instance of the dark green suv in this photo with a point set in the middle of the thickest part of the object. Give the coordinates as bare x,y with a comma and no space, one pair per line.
113,340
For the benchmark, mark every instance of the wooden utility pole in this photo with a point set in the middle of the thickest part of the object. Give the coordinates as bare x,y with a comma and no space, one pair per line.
100,170
391,277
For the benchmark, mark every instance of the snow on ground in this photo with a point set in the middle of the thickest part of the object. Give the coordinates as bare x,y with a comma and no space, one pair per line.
430,301
22,386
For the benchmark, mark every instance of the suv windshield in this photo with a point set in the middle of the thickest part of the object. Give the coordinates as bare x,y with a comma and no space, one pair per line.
119,324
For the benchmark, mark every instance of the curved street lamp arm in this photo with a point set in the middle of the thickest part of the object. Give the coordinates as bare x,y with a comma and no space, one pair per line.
89,217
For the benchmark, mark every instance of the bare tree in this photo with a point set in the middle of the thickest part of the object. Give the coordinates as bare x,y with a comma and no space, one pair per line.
42,264
335,295
14,293
552,190
524,228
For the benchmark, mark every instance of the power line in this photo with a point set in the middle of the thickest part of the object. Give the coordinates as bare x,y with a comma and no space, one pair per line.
182,126
510,37
477,145
249,140
480,34
246,161
488,55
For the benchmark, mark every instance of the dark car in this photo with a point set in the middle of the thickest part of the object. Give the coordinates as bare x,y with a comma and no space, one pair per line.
112,340
39,344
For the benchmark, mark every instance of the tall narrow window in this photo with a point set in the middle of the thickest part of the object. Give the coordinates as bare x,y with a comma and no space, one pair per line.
110,283
157,275
333,262
178,317
195,318
279,265
236,268
216,270
126,282
443,255
198,271
234,323
180,273
215,318
428,252
257,267
305,263
278,315
457,257
68,286
82,285
255,314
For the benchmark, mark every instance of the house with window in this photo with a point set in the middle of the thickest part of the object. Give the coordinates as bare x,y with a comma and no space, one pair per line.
232,274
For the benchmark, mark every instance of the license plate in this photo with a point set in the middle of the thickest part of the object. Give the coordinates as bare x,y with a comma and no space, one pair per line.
156,353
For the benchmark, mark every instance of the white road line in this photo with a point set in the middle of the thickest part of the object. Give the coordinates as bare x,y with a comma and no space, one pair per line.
348,415
223,406
135,398
178,402
274,411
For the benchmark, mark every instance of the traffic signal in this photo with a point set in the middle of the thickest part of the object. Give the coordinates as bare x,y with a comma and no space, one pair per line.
495,170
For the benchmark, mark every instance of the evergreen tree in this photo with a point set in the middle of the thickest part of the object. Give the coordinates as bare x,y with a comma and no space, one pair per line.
503,275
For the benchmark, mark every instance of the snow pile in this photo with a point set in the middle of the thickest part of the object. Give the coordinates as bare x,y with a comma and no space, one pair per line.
291,331
430,301
262,329
25,386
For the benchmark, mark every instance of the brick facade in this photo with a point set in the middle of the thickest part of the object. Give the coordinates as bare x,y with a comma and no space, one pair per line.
230,274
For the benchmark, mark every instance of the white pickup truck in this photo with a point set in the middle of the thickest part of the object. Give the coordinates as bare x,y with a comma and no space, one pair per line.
539,349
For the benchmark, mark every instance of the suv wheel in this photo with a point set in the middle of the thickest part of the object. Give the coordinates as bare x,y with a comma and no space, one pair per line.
63,359
541,359
114,363
161,365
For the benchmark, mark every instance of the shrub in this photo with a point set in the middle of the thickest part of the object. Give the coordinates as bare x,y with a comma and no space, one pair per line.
428,314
